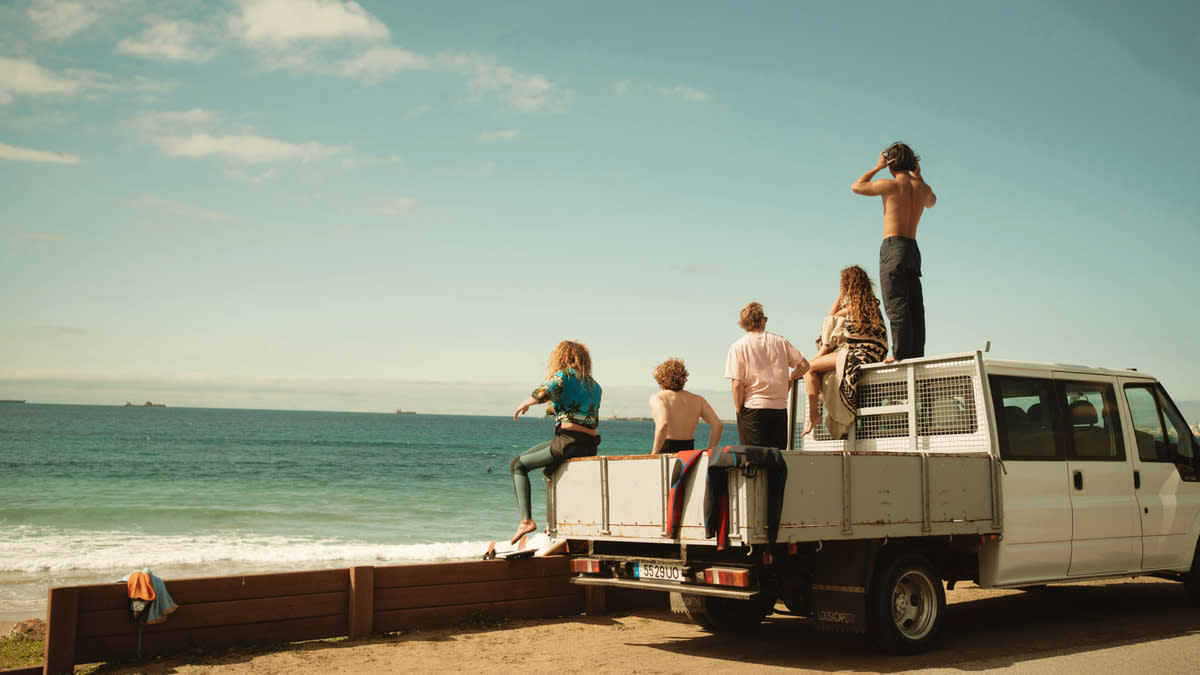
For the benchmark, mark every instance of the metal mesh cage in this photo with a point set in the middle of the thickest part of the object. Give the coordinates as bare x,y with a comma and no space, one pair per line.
944,401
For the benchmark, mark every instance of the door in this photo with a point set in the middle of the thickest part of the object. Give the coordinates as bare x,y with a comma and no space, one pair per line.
1166,484
1105,527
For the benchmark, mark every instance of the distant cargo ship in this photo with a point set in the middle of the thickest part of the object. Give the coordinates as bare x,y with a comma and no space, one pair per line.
11,400
405,412
147,404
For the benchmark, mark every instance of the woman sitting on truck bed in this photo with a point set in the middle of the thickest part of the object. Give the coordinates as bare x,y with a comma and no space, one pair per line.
864,341
576,399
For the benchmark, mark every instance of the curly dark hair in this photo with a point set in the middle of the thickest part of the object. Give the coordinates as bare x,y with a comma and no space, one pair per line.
858,292
901,156
671,374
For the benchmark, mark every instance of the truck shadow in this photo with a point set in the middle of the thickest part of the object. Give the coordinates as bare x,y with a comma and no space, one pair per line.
983,629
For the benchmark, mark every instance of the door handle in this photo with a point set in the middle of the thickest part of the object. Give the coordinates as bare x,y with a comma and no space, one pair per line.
1078,480
1137,480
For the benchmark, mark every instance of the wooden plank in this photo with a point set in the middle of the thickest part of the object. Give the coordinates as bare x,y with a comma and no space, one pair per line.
479,570
429,617
62,613
118,647
362,601
205,589
24,670
460,594
229,612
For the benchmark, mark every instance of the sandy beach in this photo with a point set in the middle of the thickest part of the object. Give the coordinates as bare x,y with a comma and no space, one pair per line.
1086,627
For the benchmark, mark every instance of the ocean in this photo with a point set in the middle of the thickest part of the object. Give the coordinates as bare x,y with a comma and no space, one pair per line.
90,493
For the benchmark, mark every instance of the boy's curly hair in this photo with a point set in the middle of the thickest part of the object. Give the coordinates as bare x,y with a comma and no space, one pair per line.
671,374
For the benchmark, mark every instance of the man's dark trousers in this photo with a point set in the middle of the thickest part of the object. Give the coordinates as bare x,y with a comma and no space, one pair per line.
900,284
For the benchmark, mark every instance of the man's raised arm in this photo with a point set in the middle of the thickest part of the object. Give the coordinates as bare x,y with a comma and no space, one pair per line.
872,188
930,198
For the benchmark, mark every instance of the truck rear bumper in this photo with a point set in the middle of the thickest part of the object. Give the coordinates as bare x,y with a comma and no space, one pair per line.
665,586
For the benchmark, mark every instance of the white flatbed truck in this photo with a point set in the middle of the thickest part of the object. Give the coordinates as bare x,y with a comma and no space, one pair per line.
959,467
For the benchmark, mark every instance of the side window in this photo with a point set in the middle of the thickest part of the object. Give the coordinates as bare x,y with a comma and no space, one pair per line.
1092,421
1147,424
1024,419
1161,433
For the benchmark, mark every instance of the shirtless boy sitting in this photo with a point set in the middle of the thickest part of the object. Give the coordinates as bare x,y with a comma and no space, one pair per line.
905,197
677,413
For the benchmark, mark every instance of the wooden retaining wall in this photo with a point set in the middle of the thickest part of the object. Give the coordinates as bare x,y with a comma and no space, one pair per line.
88,624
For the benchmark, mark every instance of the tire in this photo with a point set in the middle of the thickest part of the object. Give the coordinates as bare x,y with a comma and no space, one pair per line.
1191,580
906,604
724,615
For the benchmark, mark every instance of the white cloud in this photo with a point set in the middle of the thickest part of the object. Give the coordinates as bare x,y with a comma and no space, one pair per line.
527,93
16,154
378,63
397,207
488,135
196,134
178,208
169,41
244,148
61,19
685,92
23,77
621,87
419,110
279,23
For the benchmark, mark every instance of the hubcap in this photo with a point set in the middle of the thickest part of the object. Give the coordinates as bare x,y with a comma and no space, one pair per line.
914,604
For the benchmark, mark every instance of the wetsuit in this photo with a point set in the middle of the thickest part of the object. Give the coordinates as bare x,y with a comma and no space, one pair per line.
576,400
677,445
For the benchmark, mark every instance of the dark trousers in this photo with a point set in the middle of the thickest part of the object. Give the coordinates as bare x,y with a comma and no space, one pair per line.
764,427
900,284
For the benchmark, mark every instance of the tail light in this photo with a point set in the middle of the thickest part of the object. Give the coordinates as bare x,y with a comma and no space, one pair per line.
727,576
585,566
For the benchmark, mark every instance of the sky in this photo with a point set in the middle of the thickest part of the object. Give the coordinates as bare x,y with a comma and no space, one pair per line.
365,206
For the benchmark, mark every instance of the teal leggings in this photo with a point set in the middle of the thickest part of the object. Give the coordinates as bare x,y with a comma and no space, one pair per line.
534,458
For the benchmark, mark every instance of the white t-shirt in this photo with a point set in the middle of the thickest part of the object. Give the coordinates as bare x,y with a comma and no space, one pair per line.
763,362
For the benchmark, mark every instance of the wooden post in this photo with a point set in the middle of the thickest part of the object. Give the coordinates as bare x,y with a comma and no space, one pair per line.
362,601
62,614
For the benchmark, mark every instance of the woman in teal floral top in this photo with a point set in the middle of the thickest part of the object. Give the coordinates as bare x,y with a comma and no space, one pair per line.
576,399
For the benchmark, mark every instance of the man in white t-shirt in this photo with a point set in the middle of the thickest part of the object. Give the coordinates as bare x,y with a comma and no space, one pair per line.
758,365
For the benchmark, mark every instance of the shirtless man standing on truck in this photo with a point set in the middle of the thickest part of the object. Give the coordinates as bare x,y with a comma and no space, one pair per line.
905,197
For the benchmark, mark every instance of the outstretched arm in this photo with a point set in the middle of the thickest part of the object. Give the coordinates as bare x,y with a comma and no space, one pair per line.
714,423
872,188
524,407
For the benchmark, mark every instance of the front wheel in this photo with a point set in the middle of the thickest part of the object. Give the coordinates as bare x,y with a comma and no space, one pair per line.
724,615
905,604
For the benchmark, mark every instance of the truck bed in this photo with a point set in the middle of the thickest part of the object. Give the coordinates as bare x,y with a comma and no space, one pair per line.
916,464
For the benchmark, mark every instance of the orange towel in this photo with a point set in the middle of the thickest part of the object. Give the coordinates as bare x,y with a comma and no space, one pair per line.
140,587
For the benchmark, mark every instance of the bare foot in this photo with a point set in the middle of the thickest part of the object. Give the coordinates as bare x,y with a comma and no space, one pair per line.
890,359
523,529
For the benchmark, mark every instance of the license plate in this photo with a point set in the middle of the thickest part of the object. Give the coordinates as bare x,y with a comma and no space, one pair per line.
645,570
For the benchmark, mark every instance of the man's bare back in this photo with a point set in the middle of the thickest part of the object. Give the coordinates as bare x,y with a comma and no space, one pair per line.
905,197
678,413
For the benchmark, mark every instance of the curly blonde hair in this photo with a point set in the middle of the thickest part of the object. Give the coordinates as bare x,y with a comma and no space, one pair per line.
570,354
671,374
858,293
752,317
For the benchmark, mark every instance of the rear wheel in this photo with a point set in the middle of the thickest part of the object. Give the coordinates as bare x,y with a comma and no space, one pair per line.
906,604
1191,580
723,615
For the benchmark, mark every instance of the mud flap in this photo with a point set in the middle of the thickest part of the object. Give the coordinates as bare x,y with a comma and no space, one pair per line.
840,608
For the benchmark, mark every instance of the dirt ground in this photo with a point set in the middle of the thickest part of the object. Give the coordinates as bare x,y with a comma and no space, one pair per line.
1119,626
